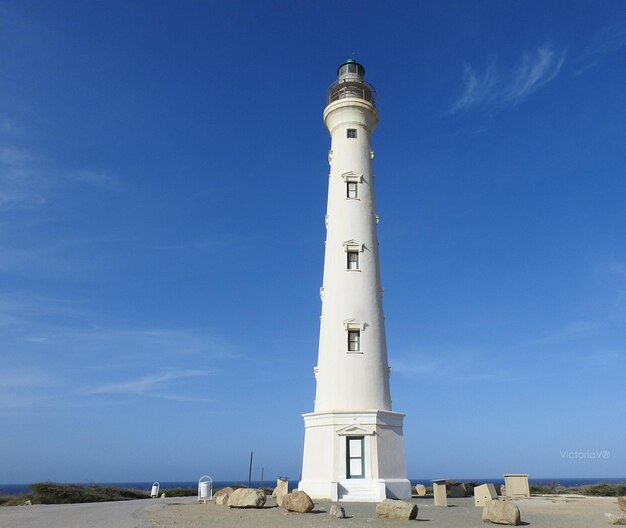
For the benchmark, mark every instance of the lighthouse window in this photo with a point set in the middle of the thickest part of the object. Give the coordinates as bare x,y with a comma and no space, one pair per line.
351,133
354,341
352,190
353,260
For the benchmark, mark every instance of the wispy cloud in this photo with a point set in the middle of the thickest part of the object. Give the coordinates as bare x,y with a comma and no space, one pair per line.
451,364
568,332
27,178
150,385
617,268
502,87
478,87
535,70
606,42
99,179
56,335
19,179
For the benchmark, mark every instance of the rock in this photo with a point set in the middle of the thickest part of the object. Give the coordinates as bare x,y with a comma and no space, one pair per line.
616,519
223,491
484,493
246,498
456,491
281,485
498,512
396,509
281,489
621,502
222,499
297,501
337,512
163,495
28,503
503,490
420,490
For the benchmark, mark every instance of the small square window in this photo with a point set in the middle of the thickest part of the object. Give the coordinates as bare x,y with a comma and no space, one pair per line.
352,190
354,341
353,260
351,134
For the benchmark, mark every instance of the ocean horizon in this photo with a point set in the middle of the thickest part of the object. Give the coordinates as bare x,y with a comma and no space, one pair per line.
18,489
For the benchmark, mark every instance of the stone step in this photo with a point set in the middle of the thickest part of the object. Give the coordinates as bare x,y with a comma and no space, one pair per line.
361,490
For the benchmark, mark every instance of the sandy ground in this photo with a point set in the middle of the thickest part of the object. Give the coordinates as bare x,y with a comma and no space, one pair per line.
539,512
122,514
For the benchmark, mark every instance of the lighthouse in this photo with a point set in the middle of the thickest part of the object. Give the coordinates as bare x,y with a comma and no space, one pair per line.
353,443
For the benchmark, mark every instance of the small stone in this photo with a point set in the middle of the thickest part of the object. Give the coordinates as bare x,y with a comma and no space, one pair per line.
337,512
498,512
163,495
616,519
503,490
621,502
420,490
247,498
297,501
28,503
396,509
222,499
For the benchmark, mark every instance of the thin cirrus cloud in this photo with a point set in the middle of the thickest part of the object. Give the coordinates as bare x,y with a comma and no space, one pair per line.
151,385
610,40
495,86
27,178
569,332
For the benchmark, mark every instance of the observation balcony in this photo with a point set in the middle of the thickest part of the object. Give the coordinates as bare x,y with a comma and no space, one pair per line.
351,88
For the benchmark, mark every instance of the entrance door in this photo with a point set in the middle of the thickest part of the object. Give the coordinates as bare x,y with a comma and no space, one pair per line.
355,456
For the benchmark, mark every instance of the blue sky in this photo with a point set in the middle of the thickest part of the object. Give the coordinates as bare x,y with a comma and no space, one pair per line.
163,171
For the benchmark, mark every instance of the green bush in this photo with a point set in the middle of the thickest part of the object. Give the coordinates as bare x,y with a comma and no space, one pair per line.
53,493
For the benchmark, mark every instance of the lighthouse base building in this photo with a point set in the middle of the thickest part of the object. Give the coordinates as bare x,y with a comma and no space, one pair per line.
353,444
355,457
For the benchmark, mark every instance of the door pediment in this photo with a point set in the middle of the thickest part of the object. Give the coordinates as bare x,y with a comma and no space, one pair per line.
356,430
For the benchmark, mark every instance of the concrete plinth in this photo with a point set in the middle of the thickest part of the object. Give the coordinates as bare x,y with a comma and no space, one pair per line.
440,492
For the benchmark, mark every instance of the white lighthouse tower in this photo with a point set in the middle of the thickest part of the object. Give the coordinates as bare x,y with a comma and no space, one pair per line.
353,445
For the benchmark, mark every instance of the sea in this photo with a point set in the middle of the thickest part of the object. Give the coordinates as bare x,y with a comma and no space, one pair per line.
17,489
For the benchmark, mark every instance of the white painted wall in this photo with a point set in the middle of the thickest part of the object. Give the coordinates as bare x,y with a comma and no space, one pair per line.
351,381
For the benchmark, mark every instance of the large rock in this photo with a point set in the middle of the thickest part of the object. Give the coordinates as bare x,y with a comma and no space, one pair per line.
396,509
499,512
297,501
420,490
456,491
337,512
222,499
223,491
247,498
621,502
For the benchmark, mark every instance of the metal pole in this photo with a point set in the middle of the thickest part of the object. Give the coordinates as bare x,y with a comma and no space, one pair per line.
262,469
250,469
